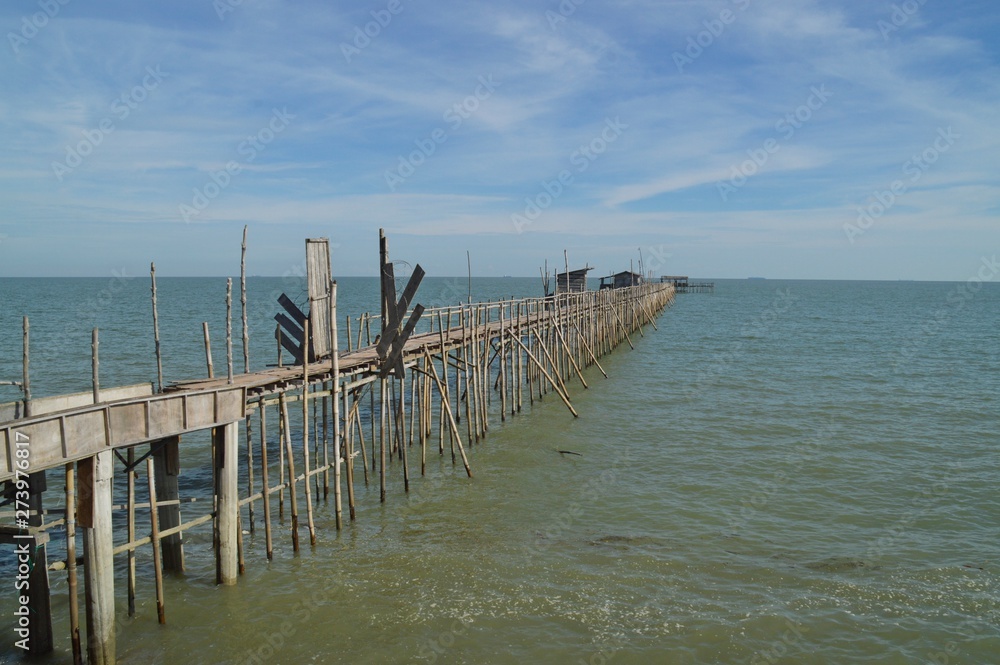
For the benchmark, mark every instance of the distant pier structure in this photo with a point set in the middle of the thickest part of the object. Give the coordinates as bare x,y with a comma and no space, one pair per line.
682,284
573,281
621,280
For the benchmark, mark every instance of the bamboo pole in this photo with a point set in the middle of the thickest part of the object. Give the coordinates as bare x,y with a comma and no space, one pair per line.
250,473
562,395
591,352
335,396
361,439
558,384
26,366
573,360
208,350
291,472
246,326
229,328
155,536
130,526
451,416
624,330
305,430
264,479
277,336
381,441
281,458
466,346
503,367
74,600
156,330
349,450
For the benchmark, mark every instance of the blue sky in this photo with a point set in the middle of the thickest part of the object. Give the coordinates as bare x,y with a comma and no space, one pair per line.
725,138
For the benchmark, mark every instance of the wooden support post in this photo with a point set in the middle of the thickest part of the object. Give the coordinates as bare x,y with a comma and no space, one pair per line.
39,603
154,537
291,470
229,328
96,479
503,366
305,430
208,350
227,502
167,456
130,527
74,601
266,489
451,416
564,397
26,367
349,455
246,327
590,351
156,329
572,360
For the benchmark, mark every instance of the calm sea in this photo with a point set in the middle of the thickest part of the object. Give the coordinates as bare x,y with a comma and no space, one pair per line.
785,471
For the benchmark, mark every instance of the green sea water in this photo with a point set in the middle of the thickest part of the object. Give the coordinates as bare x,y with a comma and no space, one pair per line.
782,472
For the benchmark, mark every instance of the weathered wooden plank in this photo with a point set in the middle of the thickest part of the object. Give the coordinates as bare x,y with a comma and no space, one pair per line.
318,280
45,405
64,437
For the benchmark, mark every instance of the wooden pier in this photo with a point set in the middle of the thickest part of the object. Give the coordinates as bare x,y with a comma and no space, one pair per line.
424,382
681,284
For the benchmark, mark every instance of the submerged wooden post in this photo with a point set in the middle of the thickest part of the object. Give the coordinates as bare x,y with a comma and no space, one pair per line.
167,456
154,537
335,396
266,489
96,477
287,435
227,502
306,335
